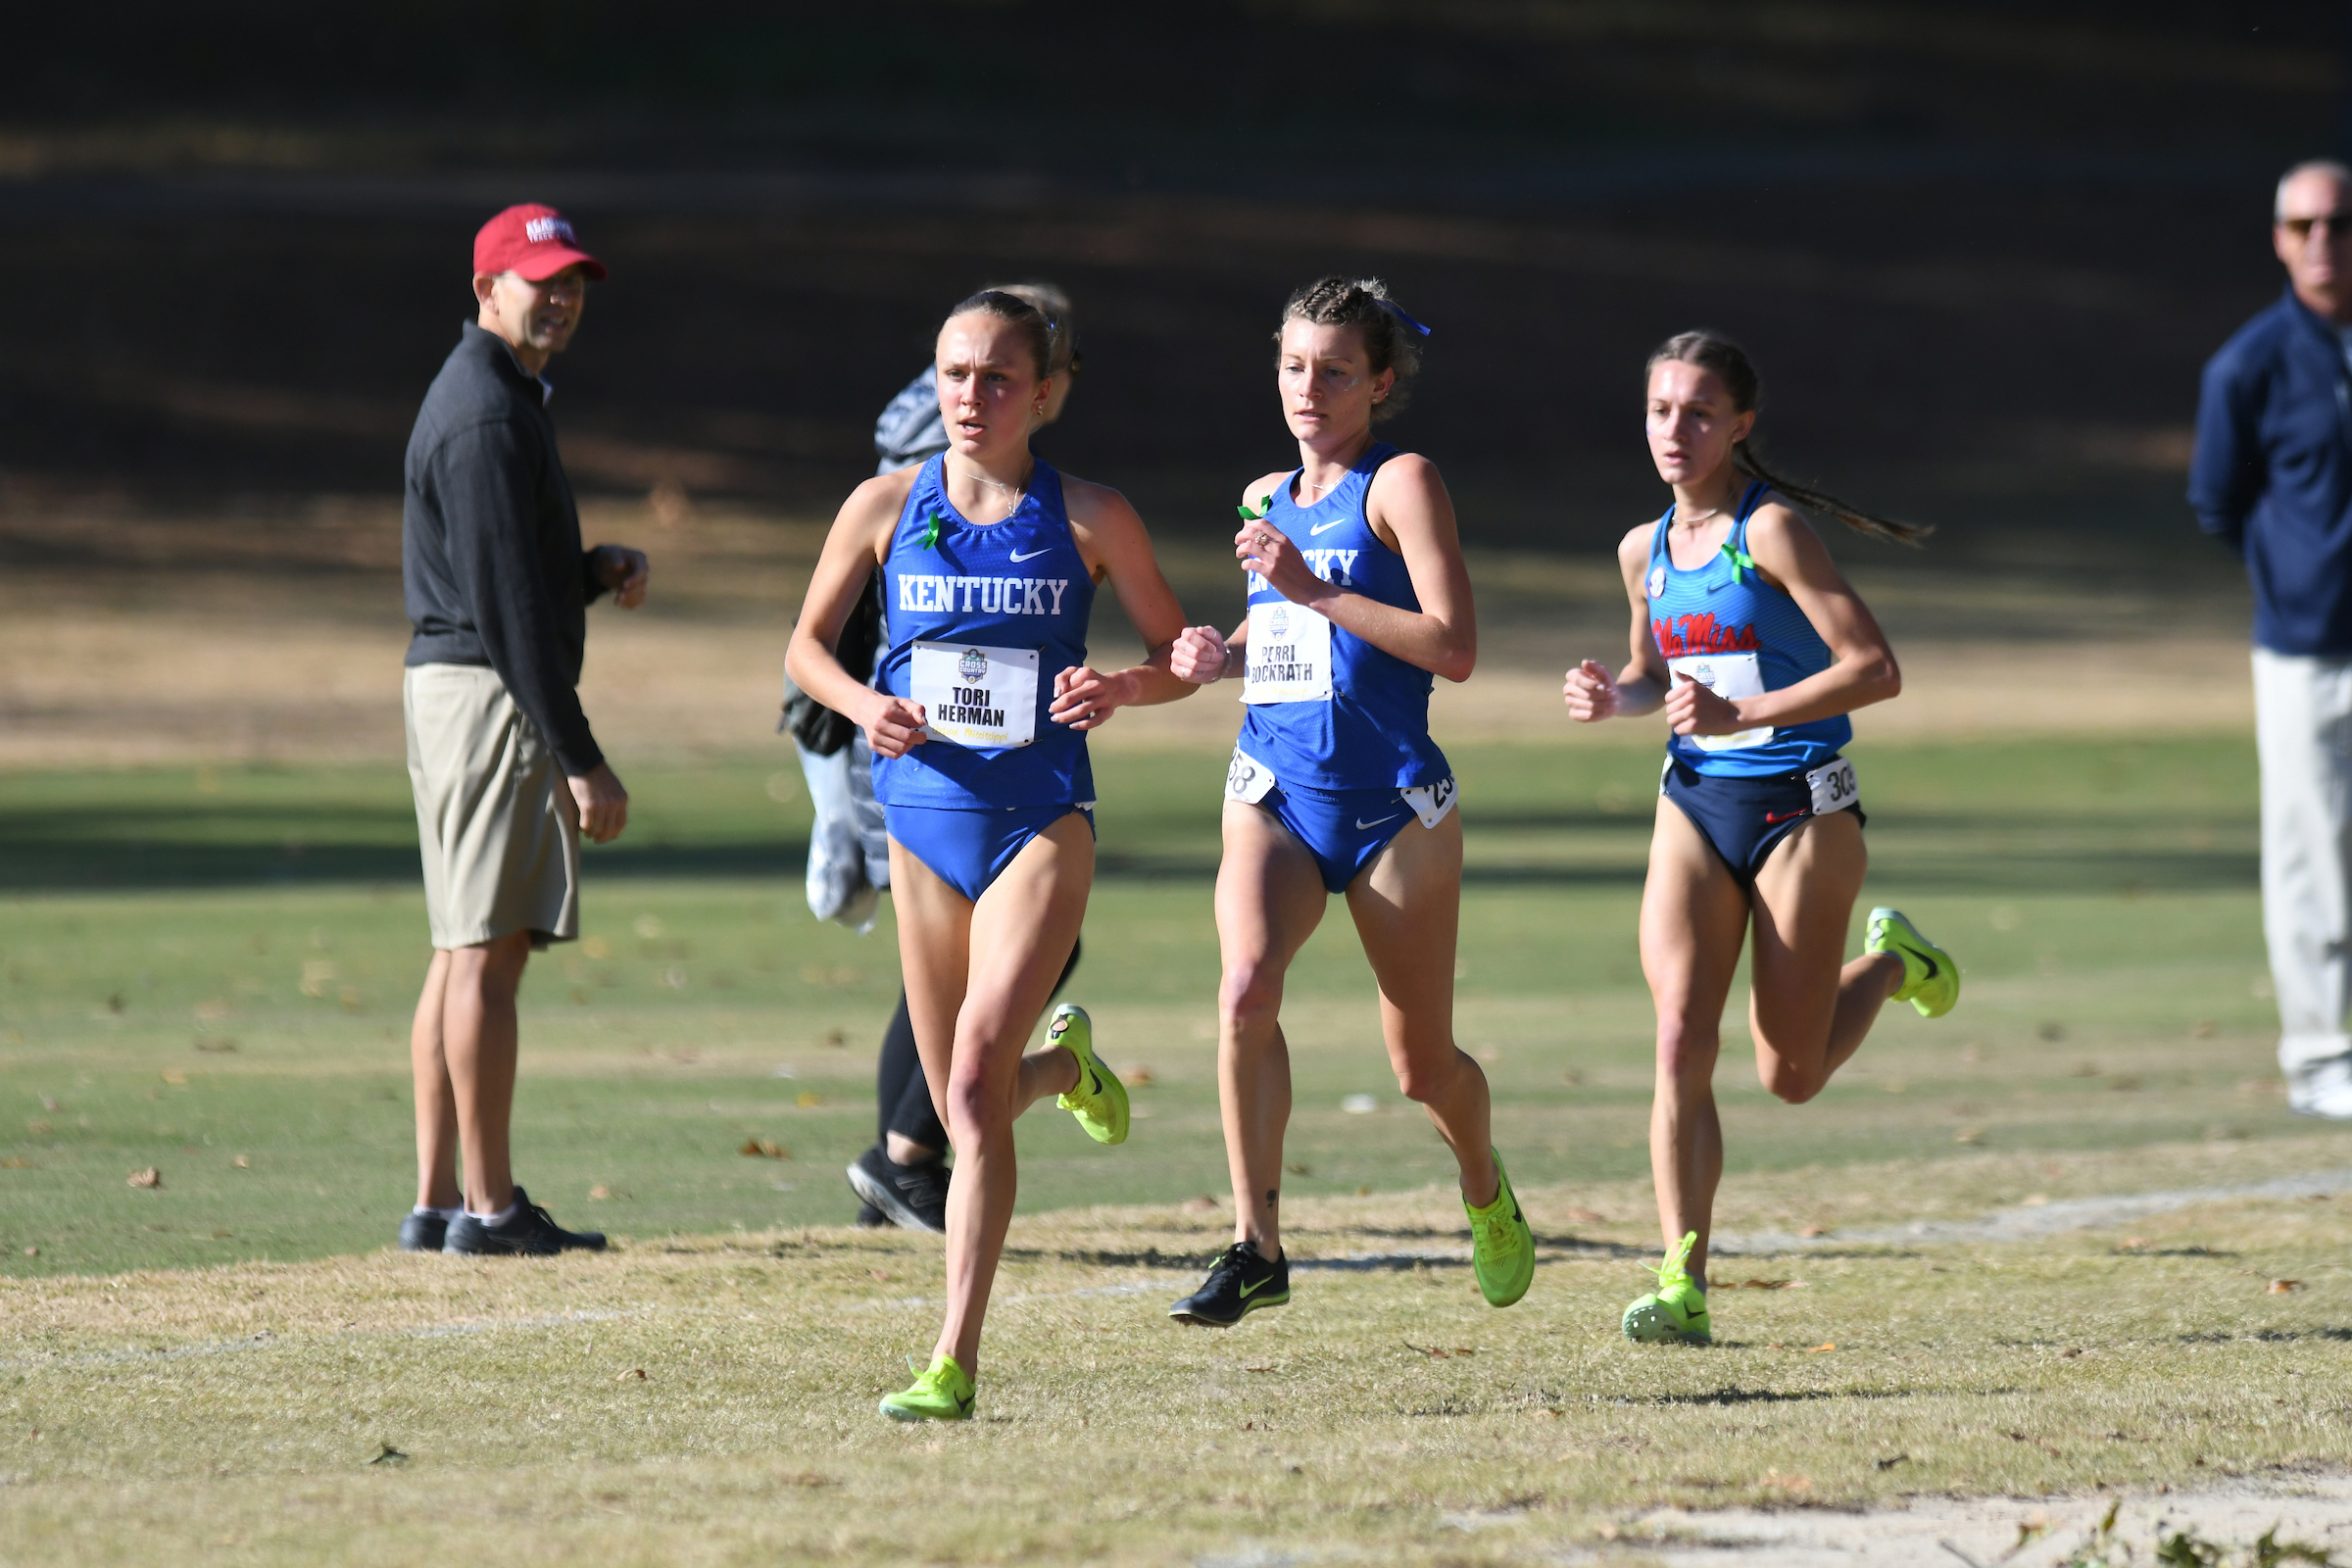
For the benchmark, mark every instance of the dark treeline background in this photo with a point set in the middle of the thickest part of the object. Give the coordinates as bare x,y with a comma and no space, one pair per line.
1972,245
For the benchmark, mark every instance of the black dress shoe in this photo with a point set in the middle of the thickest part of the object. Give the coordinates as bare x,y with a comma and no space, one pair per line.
911,1197
423,1233
528,1232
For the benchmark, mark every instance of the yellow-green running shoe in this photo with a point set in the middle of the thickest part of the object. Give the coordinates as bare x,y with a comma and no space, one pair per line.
1675,1313
1502,1250
941,1393
1931,979
1099,1099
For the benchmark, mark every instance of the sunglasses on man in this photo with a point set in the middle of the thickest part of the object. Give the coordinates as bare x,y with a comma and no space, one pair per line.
2334,226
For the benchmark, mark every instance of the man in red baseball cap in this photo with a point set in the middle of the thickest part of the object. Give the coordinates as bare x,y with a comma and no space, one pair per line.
507,775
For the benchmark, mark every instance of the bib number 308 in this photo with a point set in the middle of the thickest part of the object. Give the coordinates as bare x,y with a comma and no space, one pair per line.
1834,787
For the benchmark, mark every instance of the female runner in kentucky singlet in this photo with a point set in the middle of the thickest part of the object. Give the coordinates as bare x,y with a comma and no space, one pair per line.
990,561
1758,649
1357,595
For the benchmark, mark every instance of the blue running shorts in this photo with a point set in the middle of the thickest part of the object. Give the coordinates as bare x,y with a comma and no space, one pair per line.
968,850
1345,830
1743,819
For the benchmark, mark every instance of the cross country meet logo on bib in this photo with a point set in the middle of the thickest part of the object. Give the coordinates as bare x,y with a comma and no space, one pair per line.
1658,581
1278,620
973,665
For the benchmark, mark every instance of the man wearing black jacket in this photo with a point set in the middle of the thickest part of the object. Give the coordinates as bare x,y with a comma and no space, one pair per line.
506,772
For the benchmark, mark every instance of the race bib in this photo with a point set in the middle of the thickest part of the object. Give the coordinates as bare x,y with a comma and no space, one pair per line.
1431,802
1288,655
1729,676
1246,779
1834,787
984,698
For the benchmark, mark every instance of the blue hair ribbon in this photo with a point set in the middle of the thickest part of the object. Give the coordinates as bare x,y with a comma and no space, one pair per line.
1397,311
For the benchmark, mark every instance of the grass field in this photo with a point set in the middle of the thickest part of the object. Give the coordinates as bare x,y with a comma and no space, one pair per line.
210,973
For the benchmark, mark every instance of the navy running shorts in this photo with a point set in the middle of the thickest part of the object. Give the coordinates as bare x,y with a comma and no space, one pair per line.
968,850
1743,819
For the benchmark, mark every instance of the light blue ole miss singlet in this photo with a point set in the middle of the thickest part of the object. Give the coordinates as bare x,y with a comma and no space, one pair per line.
978,620
1728,629
1335,738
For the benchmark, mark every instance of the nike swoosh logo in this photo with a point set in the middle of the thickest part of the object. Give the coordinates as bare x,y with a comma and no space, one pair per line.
1780,816
1018,558
1361,824
1248,1291
963,1407
1932,968
1326,527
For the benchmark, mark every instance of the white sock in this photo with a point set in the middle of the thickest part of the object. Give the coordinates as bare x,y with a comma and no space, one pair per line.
500,1218
440,1213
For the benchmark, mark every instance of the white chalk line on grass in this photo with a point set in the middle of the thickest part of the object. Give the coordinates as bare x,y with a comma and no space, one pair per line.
2025,1222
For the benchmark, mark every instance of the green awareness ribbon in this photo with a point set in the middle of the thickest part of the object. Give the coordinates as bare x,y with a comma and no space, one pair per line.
930,533
1738,558
1265,500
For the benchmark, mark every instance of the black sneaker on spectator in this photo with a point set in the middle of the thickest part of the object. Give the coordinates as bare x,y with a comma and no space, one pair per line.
423,1233
527,1232
911,1197
870,1218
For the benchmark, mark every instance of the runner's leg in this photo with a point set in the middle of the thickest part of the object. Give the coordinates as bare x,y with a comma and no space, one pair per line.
1408,905
977,977
1808,1013
1271,897
1693,919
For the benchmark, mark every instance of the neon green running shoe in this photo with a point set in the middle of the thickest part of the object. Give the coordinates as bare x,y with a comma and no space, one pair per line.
941,1393
1502,1250
1675,1313
1100,1100
1931,979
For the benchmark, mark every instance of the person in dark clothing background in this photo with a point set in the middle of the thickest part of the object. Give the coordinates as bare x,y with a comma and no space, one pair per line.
2272,478
506,772
903,1179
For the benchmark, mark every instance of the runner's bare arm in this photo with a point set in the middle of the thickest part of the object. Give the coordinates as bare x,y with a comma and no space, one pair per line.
1792,557
858,543
1113,541
1592,693
1408,508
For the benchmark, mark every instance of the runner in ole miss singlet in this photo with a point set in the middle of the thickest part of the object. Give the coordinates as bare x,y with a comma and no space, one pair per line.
1747,635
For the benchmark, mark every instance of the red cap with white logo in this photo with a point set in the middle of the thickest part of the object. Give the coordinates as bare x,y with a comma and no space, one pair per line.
534,243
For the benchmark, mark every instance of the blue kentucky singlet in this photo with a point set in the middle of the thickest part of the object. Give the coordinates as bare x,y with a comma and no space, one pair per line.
1326,709
977,622
1731,631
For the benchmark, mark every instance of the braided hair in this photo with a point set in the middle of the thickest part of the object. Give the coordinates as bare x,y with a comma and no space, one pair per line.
1362,303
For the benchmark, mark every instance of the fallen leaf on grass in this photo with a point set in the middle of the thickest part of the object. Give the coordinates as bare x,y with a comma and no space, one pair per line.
1781,1483
1811,1231
636,1372
1199,1205
1968,1134
242,1163
1257,1369
2132,1244
15,1163
763,1149
32,1252
1761,1285
150,1177
1818,1348
809,1099
880,1274
1890,1461
390,1455
808,1478
2281,1286
1586,1216
1437,1353
1300,1168
599,1193
1139,1075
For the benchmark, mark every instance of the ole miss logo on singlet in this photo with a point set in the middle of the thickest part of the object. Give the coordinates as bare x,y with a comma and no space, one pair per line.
1682,635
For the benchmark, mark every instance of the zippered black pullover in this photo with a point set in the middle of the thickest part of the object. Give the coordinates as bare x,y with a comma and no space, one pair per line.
490,553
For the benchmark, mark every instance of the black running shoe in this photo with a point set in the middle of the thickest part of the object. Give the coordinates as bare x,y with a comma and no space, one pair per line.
1240,1282
872,1219
527,1232
911,1197
423,1233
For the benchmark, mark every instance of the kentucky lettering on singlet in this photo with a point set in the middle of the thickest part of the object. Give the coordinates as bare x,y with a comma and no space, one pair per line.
984,596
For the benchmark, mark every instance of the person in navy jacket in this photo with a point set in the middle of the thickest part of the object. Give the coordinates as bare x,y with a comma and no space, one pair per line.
2272,478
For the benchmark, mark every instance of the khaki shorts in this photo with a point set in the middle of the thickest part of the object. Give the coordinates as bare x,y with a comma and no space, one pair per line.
493,815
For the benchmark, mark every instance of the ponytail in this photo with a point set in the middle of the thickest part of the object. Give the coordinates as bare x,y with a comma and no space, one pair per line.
1712,352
